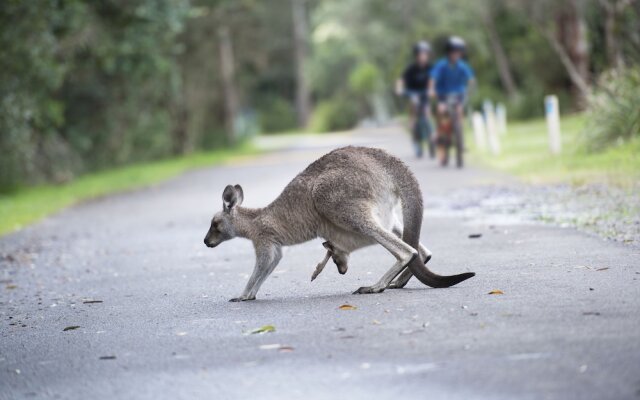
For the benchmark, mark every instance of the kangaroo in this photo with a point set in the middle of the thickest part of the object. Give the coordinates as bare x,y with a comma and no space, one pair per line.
352,197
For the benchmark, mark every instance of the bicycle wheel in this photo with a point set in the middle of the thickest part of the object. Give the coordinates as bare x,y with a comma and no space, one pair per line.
417,138
459,143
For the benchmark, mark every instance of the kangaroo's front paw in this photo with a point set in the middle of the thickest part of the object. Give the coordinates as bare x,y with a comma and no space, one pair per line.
242,298
367,290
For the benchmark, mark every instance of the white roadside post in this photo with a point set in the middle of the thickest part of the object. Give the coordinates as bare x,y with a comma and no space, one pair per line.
501,118
552,112
490,123
479,134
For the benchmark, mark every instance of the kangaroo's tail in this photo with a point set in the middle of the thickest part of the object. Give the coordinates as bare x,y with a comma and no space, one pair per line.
412,209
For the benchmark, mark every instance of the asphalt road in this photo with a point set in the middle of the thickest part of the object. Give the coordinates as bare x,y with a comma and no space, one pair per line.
566,327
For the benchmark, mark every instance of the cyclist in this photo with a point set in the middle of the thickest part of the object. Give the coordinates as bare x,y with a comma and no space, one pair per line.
450,78
414,85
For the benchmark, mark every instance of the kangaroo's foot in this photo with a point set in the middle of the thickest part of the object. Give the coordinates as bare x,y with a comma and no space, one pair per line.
242,298
368,290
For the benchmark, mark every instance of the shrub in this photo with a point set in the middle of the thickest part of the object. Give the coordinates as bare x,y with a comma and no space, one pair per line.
277,115
614,110
334,115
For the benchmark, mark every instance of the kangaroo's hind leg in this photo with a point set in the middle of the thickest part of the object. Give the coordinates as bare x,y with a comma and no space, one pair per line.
403,252
402,279
358,217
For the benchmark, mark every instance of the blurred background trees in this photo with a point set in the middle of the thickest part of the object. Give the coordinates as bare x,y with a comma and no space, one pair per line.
86,85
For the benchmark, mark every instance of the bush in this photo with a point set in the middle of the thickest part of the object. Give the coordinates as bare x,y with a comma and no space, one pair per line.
614,110
364,79
334,115
277,115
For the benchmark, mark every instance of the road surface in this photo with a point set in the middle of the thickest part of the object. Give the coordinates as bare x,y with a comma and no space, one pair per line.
149,301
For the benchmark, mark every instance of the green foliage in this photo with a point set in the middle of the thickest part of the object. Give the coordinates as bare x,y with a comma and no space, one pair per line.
614,110
277,115
337,114
364,79
525,152
87,85
84,85
29,204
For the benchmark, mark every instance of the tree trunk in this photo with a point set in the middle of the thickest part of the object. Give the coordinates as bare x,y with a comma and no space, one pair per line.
611,11
504,67
574,74
300,36
227,69
179,111
571,42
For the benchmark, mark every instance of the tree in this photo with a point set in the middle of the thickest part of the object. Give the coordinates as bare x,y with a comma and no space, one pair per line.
564,27
502,62
300,47
227,76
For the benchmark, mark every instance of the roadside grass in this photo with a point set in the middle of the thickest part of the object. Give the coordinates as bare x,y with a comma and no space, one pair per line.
525,153
29,204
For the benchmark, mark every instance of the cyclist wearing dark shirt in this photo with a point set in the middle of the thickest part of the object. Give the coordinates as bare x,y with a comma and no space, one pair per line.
414,85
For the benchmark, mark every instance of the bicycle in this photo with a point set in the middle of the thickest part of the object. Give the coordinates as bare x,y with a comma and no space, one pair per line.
450,131
422,129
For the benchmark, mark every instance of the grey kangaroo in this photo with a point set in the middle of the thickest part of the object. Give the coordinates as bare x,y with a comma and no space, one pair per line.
352,197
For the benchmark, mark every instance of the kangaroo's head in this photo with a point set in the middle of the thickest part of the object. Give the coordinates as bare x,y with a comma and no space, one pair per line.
223,224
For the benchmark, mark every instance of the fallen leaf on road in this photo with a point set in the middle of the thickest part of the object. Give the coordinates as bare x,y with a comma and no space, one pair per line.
90,301
11,287
602,269
347,307
475,235
269,346
285,349
262,329
107,358
70,328
496,291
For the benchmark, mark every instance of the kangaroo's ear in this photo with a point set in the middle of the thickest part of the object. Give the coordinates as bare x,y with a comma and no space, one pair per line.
232,197
240,193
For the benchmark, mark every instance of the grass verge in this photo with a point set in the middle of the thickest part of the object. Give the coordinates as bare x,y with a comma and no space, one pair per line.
27,205
525,153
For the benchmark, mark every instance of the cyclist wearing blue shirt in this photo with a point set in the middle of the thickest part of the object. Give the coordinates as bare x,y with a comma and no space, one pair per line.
451,76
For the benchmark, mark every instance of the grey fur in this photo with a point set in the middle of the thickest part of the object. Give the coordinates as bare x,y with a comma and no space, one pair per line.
353,197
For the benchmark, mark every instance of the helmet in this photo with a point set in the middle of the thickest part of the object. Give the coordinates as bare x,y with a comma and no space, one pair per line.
421,47
455,43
